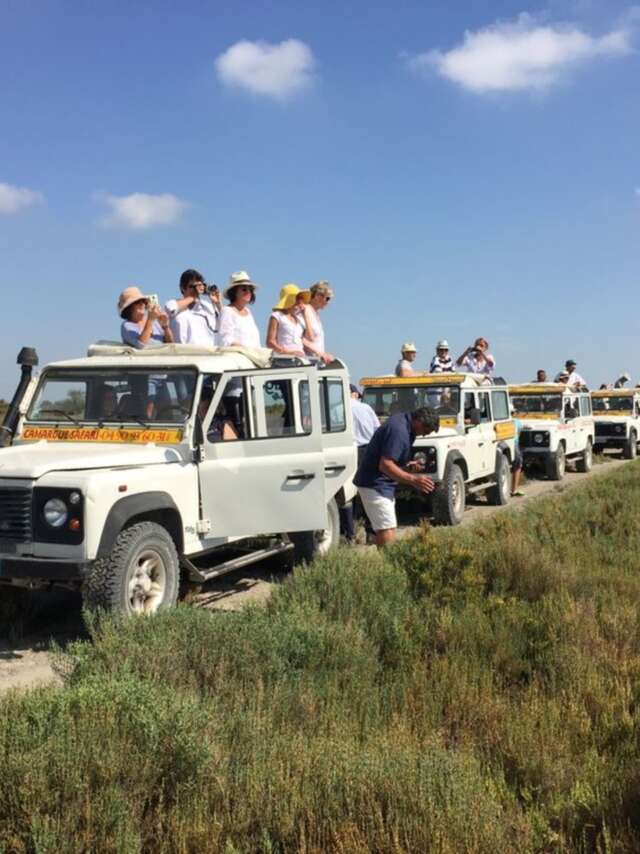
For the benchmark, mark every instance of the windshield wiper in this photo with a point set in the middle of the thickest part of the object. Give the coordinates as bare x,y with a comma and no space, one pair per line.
139,420
62,412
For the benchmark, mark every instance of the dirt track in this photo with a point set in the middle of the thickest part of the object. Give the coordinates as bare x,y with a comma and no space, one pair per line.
25,663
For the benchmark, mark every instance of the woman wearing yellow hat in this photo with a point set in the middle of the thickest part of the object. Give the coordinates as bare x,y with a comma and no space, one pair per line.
286,327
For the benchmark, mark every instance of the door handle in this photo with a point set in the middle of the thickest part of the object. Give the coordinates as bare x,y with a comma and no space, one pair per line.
301,476
480,444
334,468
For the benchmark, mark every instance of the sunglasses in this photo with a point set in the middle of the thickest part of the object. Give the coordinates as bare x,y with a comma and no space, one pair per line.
245,288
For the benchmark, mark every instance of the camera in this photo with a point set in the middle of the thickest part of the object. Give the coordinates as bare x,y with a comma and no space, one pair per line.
212,289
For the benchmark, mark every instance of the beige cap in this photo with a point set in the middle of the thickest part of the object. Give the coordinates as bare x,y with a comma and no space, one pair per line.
408,347
128,297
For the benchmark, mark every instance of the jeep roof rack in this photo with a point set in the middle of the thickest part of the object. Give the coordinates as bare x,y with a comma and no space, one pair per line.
426,378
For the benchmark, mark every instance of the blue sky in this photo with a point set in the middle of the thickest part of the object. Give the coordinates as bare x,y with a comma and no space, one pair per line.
454,169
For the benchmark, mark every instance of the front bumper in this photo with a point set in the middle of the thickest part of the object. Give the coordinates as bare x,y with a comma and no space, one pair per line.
39,569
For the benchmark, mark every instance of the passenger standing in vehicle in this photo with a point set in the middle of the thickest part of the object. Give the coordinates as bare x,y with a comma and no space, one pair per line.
622,380
237,326
477,359
442,361
314,341
541,376
142,323
386,463
286,325
365,424
574,377
408,354
194,316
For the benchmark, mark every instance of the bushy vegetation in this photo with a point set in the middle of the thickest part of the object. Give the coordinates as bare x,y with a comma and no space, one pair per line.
472,690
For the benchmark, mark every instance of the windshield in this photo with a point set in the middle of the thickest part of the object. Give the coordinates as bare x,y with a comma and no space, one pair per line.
114,396
606,404
527,404
389,400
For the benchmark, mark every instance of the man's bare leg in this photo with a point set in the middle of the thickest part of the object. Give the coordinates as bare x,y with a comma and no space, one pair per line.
385,537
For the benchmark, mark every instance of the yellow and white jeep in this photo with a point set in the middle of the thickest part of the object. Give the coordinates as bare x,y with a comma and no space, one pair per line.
616,413
557,425
474,448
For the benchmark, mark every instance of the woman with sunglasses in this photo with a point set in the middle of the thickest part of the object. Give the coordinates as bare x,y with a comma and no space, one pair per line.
237,326
321,295
143,321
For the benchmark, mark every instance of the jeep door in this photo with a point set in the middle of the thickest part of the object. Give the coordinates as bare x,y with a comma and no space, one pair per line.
486,433
271,478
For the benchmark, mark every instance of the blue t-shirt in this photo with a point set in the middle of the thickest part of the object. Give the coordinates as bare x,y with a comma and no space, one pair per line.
131,331
394,441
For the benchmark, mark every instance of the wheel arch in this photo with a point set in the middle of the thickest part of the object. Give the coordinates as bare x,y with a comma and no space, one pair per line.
503,448
156,507
457,459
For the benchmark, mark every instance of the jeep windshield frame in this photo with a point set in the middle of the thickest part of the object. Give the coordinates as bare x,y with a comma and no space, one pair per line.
391,399
538,404
143,396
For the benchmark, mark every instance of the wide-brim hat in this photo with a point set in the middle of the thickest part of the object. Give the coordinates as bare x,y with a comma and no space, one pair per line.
128,297
241,277
289,295
408,347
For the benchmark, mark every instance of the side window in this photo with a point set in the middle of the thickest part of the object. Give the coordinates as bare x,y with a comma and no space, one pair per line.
304,401
469,402
500,405
585,405
332,406
278,408
484,406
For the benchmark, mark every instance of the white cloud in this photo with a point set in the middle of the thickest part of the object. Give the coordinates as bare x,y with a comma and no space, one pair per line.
14,199
277,70
520,54
140,211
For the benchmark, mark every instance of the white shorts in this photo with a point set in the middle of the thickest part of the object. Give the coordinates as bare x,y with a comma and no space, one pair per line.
380,509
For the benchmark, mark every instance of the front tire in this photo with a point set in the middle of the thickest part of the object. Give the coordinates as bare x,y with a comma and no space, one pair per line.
585,462
500,493
310,544
556,464
449,497
630,450
140,576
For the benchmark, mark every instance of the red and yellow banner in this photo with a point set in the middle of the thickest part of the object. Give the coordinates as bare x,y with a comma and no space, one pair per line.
101,434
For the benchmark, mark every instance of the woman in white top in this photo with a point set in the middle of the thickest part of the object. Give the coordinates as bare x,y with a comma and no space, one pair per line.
313,341
237,326
286,325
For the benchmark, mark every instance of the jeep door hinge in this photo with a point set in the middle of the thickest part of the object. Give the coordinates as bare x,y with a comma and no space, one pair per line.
203,526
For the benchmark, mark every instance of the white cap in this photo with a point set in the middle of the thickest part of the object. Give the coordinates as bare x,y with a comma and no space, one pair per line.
442,345
408,347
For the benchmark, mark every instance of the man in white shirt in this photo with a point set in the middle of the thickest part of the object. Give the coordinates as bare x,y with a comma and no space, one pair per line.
195,316
365,424
574,378
404,368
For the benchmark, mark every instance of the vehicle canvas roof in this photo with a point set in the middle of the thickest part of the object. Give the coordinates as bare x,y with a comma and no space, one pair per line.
543,388
426,379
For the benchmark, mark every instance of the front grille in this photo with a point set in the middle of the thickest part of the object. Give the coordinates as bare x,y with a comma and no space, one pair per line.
15,514
526,439
617,430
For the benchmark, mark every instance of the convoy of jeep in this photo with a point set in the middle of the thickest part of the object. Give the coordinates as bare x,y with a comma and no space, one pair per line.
557,426
616,413
474,448
122,480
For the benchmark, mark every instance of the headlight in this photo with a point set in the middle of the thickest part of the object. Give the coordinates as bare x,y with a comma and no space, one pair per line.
620,428
55,512
538,438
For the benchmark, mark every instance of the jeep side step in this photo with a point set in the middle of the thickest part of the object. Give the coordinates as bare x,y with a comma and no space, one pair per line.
199,576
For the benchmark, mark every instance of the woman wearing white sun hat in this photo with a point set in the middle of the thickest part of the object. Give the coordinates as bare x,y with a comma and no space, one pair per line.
237,326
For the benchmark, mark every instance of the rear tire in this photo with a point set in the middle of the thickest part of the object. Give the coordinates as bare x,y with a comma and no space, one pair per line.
500,493
449,497
556,464
140,576
630,450
310,544
585,462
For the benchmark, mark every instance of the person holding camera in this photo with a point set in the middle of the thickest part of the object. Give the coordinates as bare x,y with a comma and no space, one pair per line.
195,316
143,321
477,359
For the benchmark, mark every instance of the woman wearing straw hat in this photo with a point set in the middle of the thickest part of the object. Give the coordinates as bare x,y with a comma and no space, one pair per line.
143,321
286,326
237,326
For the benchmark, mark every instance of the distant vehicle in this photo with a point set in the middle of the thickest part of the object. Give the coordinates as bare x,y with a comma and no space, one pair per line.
617,417
474,448
557,426
127,472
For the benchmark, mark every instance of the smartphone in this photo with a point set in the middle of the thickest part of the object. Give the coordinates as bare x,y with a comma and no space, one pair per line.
153,300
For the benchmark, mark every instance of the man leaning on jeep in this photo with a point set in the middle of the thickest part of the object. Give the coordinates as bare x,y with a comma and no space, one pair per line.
386,463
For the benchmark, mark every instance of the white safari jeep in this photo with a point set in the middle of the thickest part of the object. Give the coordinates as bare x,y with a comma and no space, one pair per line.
557,425
474,448
132,470
617,416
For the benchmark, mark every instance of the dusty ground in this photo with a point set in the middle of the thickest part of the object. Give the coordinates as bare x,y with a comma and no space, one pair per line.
24,662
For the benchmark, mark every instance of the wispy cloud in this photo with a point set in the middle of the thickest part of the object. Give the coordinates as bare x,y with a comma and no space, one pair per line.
15,199
140,211
521,54
275,70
